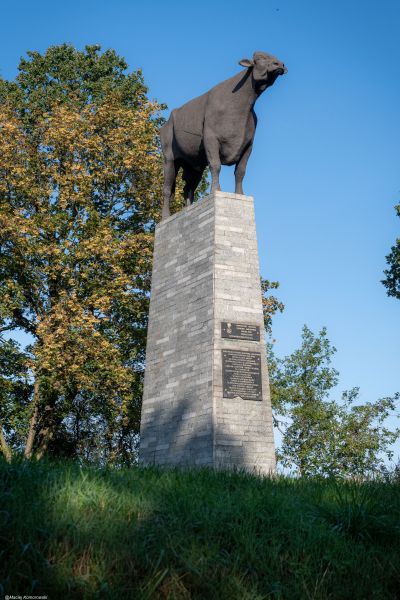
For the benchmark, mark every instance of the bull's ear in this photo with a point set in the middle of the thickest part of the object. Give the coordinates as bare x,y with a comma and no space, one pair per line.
245,62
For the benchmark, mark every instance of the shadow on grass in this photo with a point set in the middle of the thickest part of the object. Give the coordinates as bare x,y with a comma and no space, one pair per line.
149,533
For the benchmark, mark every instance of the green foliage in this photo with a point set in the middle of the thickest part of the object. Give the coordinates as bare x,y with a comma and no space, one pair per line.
322,436
271,304
392,280
144,533
15,391
80,188
66,75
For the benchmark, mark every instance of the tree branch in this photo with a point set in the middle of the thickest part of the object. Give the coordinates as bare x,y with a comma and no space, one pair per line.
23,322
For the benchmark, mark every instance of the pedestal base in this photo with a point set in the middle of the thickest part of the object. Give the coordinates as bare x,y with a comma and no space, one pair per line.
206,392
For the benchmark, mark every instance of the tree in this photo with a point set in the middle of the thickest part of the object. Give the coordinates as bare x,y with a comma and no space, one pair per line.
271,304
392,280
322,436
80,184
15,395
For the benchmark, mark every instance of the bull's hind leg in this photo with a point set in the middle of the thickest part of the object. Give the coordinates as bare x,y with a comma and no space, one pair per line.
211,145
192,178
170,171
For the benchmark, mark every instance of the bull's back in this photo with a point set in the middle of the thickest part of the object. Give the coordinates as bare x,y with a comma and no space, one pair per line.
190,116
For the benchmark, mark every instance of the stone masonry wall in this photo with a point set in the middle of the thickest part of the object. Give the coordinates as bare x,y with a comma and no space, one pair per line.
176,425
205,271
243,428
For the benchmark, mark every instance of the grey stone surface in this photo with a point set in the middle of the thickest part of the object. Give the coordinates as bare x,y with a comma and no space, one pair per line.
205,271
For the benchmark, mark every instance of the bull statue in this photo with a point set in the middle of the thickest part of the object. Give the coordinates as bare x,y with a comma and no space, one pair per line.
216,129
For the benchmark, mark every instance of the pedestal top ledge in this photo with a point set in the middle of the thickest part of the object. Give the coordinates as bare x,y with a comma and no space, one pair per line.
186,209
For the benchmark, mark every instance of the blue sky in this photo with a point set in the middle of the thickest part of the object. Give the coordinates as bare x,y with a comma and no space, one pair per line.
325,166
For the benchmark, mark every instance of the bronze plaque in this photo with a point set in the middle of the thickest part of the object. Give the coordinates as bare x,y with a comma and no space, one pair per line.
240,331
241,374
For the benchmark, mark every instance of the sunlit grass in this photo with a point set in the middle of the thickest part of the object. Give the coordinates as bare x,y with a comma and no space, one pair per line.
145,533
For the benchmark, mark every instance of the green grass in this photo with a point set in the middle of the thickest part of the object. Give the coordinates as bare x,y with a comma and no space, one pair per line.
144,533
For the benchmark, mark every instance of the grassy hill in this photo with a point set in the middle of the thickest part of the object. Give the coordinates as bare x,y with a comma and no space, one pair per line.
144,533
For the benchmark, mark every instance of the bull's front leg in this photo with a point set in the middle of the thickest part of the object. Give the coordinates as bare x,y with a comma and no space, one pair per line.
240,169
211,145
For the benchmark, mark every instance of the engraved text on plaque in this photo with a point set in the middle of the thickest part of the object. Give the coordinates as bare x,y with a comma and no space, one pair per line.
241,374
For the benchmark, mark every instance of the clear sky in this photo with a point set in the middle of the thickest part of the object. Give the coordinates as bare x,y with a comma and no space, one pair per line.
325,166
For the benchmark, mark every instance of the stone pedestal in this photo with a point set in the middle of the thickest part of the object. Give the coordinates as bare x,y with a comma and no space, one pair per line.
206,395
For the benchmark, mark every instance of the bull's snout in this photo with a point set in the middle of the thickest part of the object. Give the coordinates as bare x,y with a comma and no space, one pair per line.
284,69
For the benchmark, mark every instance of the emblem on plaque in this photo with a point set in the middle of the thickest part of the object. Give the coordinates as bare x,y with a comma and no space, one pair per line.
240,331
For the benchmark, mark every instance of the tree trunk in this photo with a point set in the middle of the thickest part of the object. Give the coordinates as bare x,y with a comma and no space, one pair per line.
49,421
45,434
33,422
4,447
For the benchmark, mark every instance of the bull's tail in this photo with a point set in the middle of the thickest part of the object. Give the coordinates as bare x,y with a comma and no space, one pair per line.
166,137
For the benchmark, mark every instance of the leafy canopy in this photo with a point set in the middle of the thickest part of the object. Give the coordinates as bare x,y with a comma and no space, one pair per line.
392,279
80,183
322,436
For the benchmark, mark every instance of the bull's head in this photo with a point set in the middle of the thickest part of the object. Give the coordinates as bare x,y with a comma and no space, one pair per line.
265,68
